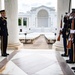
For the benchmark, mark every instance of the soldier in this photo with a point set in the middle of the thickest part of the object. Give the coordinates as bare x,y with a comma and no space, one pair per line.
64,35
72,48
3,33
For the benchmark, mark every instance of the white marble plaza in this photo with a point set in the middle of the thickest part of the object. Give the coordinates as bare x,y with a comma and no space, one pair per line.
33,62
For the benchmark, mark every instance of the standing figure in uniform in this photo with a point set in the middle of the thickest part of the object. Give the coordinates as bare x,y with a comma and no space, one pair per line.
64,35
72,38
74,44
3,33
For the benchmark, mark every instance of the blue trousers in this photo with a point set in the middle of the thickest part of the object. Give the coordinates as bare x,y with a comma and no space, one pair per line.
65,44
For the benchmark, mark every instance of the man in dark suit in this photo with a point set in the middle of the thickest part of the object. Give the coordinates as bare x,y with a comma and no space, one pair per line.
3,33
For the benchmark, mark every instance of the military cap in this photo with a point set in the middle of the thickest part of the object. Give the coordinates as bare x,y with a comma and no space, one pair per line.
66,12
73,10
2,11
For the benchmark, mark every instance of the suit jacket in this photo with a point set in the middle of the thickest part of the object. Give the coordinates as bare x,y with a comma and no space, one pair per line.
3,27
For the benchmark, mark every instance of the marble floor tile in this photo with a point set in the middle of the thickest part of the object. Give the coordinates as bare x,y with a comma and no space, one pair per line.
34,62
12,69
9,51
67,58
24,52
50,70
1,58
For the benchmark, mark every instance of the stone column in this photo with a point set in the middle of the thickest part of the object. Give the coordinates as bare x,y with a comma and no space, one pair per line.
22,26
11,7
36,21
28,22
49,21
22,21
62,7
0,4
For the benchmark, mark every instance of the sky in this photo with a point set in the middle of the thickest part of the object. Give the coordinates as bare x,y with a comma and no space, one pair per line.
25,5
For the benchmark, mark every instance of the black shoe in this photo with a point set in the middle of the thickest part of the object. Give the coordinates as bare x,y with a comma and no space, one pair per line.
64,55
7,54
73,68
4,55
69,61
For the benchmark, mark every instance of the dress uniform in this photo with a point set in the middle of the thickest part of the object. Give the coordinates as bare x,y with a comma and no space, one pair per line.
3,33
64,35
72,49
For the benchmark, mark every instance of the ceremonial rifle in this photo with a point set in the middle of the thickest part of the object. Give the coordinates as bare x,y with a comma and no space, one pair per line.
58,38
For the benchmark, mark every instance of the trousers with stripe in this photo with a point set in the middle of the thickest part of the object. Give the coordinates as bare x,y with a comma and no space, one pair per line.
4,41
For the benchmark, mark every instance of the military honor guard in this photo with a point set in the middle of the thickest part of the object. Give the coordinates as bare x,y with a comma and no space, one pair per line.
71,44
3,33
72,47
65,33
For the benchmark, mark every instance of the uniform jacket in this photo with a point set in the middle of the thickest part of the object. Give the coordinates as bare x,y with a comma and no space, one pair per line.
70,22
3,27
65,27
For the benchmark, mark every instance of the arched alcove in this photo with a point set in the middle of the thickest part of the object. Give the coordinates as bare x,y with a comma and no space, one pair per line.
42,17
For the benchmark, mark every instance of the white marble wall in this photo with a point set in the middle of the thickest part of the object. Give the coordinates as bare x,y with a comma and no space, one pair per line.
33,17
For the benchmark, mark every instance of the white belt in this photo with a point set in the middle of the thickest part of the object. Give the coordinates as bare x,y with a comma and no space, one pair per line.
72,31
60,28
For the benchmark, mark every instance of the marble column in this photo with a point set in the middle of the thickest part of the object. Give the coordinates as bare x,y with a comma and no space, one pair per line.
11,7
49,21
21,21
36,21
0,4
62,7
28,22
0,7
